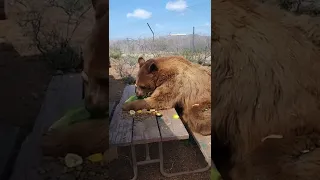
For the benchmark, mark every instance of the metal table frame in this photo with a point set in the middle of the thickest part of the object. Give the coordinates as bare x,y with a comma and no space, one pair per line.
148,160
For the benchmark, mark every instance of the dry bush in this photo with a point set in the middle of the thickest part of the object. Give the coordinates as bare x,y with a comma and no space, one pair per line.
125,67
52,37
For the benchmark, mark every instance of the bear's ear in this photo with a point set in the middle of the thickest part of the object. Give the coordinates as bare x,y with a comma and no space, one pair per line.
153,67
101,8
141,61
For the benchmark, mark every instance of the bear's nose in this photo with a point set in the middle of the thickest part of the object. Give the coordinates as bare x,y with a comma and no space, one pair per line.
139,94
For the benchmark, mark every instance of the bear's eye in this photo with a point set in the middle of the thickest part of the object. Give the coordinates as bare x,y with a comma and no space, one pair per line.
143,87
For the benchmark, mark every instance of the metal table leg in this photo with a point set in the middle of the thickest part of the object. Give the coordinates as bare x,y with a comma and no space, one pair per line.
147,152
134,162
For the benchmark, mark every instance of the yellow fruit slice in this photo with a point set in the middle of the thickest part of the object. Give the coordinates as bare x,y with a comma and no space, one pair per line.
158,114
98,157
176,116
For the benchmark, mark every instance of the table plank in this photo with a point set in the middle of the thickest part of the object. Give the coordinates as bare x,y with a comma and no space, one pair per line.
63,92
204,142
120,129
146,131
170,128
111,108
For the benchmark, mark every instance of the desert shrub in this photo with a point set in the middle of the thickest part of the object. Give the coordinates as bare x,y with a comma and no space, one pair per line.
52,38
115,53
197,56
125,67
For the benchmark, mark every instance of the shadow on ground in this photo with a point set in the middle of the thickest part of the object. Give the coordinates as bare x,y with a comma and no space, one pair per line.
24,80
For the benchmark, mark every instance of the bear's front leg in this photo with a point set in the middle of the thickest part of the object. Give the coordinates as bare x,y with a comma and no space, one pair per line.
136,105
147,103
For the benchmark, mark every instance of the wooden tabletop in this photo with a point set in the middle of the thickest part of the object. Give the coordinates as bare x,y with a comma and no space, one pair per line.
64,92
125,130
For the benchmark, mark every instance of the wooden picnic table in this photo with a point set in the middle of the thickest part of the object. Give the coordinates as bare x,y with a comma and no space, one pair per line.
126,131
63,92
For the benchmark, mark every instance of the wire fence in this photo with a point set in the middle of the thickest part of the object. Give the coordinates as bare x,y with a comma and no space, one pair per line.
195,47
124,53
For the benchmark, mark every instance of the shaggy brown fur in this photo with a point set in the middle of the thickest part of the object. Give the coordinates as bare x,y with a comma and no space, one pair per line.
292,158
267,80
175,82
96,64
92,136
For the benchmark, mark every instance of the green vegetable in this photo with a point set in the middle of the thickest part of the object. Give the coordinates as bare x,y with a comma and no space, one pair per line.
133,98
72,116
215,175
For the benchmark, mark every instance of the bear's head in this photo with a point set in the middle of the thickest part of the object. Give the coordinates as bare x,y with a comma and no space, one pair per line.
147,78
96,62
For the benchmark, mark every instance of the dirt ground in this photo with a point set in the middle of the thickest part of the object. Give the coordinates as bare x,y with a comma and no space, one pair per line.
25,81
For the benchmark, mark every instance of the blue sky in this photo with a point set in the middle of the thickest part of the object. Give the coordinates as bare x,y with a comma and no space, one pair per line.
129,18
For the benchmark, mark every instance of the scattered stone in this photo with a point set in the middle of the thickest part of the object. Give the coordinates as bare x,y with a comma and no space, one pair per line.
73,160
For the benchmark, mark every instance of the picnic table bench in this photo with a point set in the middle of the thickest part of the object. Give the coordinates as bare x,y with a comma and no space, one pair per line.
126,131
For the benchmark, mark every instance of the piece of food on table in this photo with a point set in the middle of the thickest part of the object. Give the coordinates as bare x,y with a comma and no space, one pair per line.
158,114
176,116
132,112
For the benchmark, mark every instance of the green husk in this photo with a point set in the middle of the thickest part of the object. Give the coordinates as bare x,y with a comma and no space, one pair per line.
215,175
72,116
133,98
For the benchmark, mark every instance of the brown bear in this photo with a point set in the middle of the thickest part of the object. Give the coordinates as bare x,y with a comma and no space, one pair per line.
96,63
266,82
174,82
92,136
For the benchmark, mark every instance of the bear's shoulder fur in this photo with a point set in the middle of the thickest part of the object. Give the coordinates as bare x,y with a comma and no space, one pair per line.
266,76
